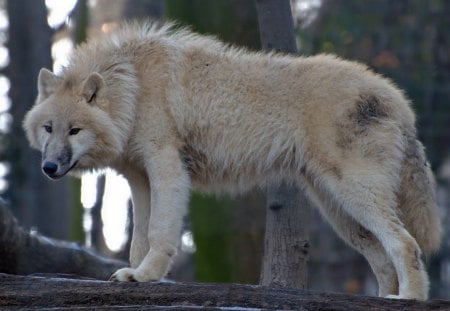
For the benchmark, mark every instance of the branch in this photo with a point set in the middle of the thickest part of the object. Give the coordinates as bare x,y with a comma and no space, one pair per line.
22,252
59,293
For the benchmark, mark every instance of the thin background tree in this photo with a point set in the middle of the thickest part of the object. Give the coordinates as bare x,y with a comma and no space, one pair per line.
286,241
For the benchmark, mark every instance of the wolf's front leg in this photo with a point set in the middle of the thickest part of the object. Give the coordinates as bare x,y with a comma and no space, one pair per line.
170,187
140,195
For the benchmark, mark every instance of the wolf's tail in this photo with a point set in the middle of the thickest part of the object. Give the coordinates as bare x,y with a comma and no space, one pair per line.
417,198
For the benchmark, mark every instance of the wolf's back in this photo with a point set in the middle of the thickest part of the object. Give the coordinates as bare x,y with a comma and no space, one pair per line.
417,198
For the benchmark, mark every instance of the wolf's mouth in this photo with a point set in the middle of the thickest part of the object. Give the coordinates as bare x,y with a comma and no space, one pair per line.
58,176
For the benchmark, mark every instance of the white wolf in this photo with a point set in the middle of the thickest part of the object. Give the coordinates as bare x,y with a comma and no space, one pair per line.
172,110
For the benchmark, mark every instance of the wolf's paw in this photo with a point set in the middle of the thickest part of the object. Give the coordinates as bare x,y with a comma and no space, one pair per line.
394,297
123,275
416,297
131,275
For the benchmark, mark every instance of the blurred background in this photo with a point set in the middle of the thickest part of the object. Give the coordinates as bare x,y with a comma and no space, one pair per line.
405,40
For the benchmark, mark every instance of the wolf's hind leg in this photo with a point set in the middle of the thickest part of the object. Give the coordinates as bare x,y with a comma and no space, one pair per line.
364,242
368,197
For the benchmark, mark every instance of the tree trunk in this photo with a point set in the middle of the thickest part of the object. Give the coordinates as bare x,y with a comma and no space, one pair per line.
57,293
29,51
286,246
286,240
97,238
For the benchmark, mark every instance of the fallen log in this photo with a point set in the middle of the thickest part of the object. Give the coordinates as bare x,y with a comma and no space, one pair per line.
31,292
23,252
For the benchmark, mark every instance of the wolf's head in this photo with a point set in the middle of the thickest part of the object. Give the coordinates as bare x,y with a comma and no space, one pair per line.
71,124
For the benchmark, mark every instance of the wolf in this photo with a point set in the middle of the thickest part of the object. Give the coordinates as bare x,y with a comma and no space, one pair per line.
172,111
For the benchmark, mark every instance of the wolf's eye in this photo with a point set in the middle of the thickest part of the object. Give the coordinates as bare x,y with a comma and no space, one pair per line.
48,128
74,131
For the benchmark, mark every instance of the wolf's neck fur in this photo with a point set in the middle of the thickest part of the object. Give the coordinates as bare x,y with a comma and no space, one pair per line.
119,74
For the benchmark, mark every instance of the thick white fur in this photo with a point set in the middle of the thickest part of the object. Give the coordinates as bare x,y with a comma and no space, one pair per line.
174,110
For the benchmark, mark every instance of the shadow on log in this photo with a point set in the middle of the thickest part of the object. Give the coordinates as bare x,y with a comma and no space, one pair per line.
19,292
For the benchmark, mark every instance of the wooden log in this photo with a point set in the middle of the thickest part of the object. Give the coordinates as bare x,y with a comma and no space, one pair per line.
22,292
22,252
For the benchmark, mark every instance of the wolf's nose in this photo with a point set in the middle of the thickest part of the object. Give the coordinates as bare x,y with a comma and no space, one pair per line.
49,168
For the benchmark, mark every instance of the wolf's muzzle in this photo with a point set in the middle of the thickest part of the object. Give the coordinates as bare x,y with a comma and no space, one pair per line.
56,171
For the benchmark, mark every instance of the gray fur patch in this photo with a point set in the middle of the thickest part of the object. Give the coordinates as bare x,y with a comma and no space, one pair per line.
361,238
369,109
336,171
66,155
193,160
68,84
419,260
44,153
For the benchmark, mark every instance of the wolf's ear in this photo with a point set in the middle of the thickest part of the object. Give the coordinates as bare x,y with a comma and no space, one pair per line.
93,86
46,83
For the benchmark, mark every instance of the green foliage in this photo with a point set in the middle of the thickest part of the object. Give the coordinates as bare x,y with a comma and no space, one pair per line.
82,21
76,230
210,220
233,21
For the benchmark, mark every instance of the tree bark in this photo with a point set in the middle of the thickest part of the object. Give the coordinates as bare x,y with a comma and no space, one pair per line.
97,238
286,240
22,252
276,26
29,50
20,292
286,246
